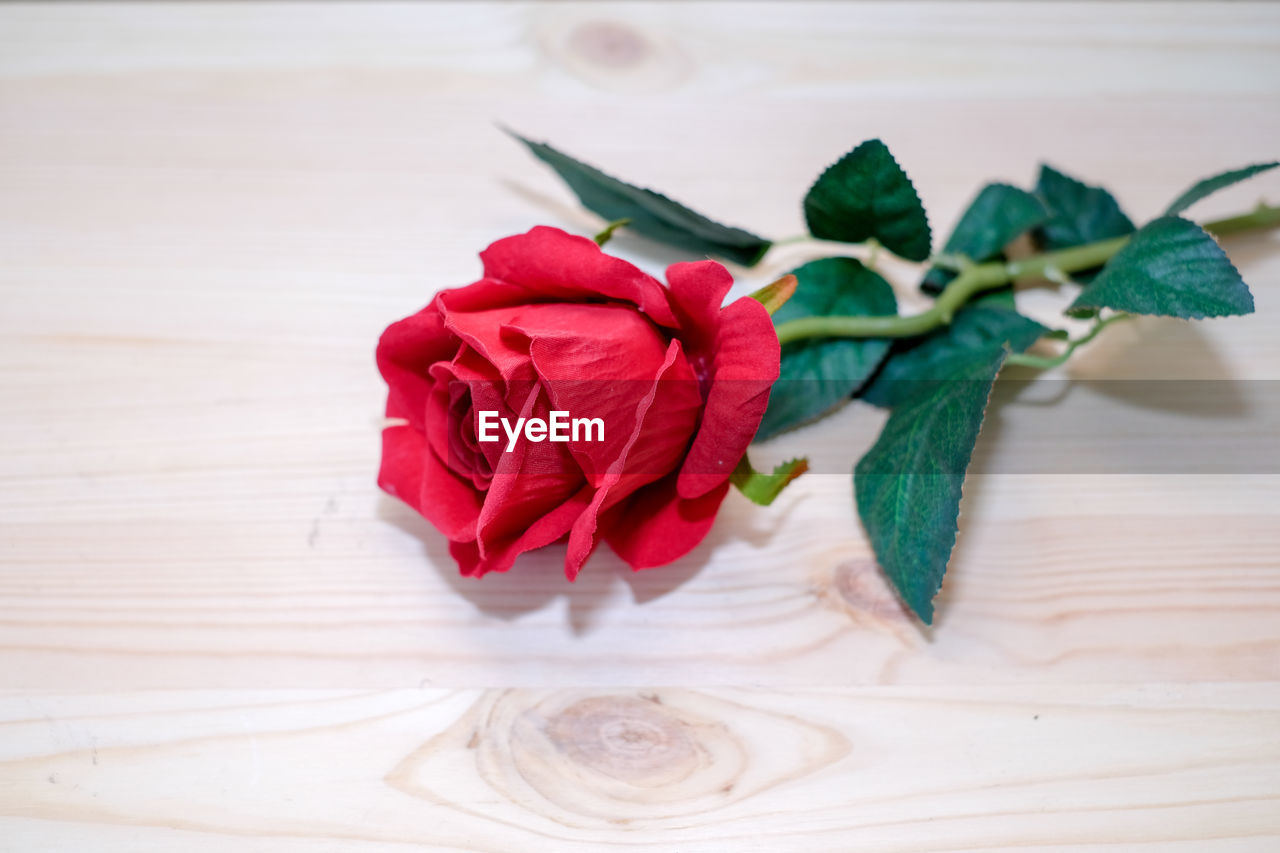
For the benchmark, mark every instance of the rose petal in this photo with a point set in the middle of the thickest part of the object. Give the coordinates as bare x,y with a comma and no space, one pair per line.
656,526
405,353
501,554
482,331
619,482
400,472
698,289
744,368
555,265
411,472
463,387
597,342
598,361
532,479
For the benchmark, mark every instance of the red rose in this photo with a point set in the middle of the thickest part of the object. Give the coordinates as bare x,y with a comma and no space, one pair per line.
555,324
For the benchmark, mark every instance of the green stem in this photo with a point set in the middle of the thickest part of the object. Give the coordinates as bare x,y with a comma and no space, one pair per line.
1262,216
977,278
1044,362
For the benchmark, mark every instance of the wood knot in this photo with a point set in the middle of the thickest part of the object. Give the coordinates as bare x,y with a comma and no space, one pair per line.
629,739
862,587
612,55
587,759
609,44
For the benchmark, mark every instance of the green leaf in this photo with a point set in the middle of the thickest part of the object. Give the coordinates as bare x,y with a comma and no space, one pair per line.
985,325
1001,297
997,216
651,214
1173,268
817,374
764,488
865,194
1211,185
908,485
1078,213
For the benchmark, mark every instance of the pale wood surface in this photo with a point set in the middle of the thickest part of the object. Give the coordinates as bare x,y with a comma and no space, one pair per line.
216,634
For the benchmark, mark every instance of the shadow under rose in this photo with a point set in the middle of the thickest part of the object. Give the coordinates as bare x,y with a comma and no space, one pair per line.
537,579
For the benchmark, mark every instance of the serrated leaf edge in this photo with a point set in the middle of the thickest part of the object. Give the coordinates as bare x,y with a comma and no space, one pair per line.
928,228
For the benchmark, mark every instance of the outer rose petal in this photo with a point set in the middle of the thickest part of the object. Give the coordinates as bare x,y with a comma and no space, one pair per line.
745,366
698,289
619,482
400,473
554,265
499,556
411,472
656,526
405,353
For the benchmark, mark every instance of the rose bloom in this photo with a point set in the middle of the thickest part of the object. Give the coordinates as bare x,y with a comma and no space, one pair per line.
555,324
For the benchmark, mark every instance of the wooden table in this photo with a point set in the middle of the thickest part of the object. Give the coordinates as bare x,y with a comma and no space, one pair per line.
216,634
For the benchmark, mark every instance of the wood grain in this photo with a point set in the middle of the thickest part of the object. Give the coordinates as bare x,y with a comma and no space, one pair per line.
209,212
1162,767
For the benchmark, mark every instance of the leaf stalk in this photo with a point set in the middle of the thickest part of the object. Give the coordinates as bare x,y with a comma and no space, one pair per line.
977,278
